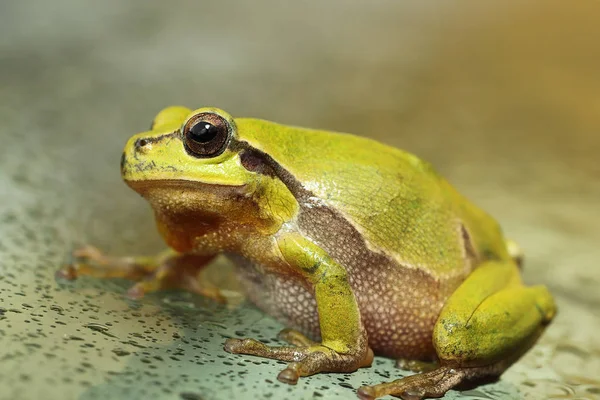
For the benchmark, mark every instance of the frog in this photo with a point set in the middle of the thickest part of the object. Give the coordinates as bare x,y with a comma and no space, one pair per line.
357,247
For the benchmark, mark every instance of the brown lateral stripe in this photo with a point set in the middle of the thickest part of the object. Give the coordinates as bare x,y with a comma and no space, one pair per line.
260,162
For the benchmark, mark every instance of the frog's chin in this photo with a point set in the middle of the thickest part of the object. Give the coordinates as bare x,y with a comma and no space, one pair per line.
183,194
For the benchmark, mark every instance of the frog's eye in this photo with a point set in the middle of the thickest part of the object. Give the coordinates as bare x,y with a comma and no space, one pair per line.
206,135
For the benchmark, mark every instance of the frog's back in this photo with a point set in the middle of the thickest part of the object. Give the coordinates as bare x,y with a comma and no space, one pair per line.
405,236
400,205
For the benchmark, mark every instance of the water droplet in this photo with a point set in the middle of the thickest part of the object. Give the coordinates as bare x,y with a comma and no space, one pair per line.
103,329
72,337
97,327
190,396
121,352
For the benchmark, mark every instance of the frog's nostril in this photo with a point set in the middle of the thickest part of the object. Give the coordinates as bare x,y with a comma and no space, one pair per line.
141,143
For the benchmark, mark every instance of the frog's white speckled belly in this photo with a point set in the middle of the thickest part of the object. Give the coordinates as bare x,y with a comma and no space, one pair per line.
398,325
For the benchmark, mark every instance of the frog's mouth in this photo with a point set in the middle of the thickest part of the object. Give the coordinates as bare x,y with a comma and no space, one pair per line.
183,187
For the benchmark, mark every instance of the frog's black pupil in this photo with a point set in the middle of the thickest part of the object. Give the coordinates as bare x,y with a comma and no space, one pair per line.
206,135
203,132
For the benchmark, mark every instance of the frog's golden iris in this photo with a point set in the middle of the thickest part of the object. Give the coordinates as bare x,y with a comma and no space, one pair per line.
361,247
206,135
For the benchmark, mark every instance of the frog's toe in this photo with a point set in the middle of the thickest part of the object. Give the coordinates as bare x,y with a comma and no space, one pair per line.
198,284
253,347
416,365
136,292
81,262
323,359
366,393
316,360
288,376
246,346
88,253
68,272
89,261
296,338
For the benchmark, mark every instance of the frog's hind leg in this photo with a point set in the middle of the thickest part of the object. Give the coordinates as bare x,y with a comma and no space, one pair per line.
486,325
167,270
344,346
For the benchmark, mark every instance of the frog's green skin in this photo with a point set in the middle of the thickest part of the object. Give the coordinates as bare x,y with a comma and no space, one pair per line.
361,246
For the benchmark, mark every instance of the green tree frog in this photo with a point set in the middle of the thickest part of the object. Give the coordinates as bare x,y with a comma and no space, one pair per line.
358,247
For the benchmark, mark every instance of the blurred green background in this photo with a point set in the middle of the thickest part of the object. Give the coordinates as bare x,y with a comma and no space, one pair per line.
501,96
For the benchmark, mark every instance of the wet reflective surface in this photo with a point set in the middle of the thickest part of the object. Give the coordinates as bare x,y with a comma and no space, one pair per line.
502,100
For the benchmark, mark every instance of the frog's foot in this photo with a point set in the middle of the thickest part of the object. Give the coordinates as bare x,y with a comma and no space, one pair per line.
295,338
89,261
416,365
306,359
175,276
429,384
168,270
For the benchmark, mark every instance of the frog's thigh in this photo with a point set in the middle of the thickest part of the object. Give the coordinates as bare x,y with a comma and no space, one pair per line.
491,317
344,346
504,325
488,322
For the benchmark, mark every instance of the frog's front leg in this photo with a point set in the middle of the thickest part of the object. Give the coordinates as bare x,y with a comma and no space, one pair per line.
344,346
488,323
167,270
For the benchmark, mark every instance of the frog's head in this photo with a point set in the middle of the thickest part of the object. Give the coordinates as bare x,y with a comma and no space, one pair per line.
196,165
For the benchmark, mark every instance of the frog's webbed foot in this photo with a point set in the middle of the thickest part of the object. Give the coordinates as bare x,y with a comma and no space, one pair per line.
430,384
306,358
167,270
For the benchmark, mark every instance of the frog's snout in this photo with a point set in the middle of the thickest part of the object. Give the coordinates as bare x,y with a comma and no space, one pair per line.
141,144
133,158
